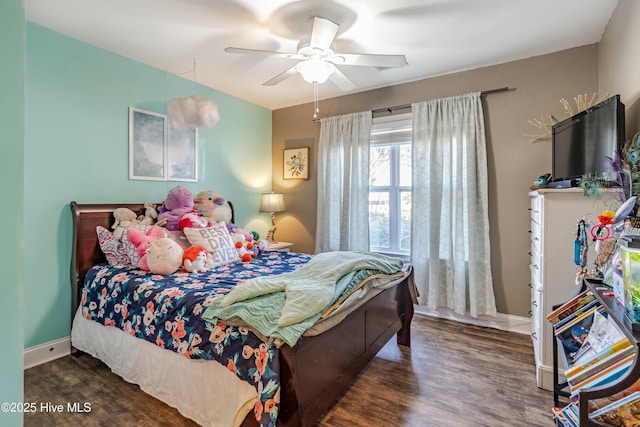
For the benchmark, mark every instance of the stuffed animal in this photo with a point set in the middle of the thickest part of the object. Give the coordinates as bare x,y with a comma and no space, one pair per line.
262,244
164,256
142,241
150,215
193,219
179,202
212,206
248,235
194,259
125,218
541,182
246,249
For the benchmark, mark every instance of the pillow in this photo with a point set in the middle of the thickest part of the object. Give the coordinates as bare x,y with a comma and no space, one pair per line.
112,249
178,237
216,240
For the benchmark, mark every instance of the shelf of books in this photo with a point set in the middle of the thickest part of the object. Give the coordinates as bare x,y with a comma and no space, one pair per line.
598,355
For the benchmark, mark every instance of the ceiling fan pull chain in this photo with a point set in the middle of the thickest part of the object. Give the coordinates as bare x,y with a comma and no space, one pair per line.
316,110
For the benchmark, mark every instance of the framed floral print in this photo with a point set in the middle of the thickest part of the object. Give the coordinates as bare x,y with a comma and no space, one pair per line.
296,163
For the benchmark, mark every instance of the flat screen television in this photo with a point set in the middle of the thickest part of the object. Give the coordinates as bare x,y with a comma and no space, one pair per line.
581,142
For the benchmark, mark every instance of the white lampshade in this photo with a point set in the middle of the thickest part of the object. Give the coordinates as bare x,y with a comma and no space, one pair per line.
272,202
315,71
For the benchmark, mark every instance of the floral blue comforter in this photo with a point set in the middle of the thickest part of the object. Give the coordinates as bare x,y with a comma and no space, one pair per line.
166,311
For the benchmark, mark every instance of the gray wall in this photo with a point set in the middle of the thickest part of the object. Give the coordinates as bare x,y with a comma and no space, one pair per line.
514,161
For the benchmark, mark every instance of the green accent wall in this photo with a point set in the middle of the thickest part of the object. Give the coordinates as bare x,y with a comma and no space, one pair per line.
12,250
77,132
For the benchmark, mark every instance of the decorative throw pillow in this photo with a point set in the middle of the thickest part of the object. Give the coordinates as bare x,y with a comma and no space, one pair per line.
112,249
216,240
179,237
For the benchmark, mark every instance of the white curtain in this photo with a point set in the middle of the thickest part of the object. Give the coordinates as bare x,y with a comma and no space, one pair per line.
450,224
343,183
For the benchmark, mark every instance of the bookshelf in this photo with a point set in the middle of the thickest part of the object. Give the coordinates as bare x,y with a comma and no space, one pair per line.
587,395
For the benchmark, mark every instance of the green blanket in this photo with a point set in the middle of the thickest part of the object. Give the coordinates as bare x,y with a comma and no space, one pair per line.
286,305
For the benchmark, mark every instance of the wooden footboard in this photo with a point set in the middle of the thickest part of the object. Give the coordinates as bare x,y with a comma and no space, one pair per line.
317,370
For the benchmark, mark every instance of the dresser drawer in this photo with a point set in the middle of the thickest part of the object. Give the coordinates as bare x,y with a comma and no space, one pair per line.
536,209
536,235
536,326
536,278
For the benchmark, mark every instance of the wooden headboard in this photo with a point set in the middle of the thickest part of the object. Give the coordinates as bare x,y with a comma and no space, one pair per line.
85,251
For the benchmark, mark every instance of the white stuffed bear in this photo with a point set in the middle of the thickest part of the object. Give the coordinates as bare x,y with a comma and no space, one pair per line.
125,218
164,256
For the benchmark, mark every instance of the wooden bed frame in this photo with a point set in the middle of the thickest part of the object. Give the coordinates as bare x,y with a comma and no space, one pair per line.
314,372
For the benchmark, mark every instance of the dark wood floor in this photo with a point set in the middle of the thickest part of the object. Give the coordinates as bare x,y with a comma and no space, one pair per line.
453,375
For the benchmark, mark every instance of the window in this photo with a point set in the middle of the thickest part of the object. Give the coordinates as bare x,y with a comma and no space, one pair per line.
390,185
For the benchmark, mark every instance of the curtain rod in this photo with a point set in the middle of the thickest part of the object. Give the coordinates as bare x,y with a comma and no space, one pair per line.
405,106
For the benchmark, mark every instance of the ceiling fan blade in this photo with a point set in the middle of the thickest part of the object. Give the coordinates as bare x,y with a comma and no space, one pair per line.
343,82
280,77
323,32
264,53
368,60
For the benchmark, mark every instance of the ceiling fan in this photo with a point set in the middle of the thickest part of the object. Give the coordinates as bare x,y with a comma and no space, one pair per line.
318,60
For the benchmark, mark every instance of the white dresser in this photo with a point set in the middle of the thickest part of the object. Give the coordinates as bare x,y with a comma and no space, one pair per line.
554,216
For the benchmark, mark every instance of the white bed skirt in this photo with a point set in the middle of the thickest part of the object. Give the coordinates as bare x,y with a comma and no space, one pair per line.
204,391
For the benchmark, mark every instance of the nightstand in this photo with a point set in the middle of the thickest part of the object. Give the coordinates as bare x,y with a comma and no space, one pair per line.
279,247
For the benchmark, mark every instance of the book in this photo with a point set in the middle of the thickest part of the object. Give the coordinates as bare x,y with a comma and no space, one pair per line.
599,403
570,307
605,376
568,415
577,313
612,359
586,362
603,334
624,412
574,333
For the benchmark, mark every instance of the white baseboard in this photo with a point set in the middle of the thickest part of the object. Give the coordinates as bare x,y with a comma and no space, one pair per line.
505,322
544,377
43,353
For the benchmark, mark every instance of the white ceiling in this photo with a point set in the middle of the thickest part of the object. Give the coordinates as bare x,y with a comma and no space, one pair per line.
436,36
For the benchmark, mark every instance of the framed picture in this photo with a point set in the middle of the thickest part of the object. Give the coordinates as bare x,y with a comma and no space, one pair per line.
296,163
182,155
160,153
147,142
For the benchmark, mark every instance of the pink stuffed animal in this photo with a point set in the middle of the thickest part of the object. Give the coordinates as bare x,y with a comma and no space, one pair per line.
179,202
193,220
142,241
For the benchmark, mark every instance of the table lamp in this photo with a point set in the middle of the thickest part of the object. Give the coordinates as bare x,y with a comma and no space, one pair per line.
272,202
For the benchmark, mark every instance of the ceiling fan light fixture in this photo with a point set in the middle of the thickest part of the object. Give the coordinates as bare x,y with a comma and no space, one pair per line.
315,71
